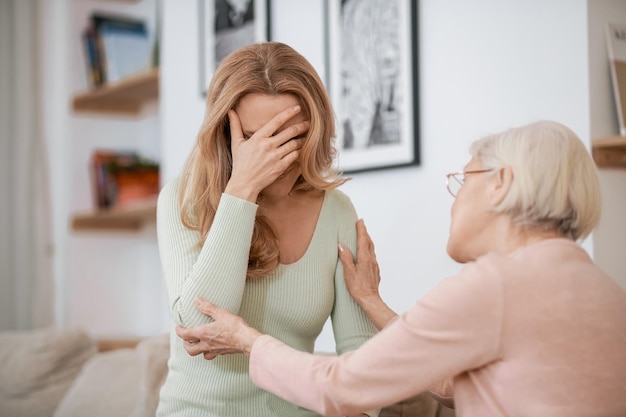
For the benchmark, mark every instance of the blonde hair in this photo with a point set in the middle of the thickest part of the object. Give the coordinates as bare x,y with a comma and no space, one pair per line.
270,68
555,181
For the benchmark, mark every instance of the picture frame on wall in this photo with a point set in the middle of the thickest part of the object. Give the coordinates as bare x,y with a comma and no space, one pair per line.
373,82
226,25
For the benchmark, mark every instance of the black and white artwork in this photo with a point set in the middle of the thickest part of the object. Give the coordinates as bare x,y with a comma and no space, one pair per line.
373,82
226,25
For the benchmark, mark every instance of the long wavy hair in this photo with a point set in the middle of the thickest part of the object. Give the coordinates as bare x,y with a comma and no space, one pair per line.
270,68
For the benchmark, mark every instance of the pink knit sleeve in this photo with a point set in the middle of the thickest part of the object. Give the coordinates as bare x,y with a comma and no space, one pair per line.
453,328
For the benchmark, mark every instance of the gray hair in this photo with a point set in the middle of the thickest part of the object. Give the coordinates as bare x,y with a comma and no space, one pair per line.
555,181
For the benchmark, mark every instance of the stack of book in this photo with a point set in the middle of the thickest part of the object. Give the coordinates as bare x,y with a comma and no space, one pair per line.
122,178
115,47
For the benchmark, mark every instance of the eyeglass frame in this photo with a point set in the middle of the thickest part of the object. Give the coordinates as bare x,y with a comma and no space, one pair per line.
464,173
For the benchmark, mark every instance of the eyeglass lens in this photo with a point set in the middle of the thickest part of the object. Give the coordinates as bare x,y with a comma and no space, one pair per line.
454,185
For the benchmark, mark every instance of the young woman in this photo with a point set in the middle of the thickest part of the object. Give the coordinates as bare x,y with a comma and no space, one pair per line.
253,224
529,327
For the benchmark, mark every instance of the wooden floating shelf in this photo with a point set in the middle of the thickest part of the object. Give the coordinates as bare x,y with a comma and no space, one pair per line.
609,152
126,97
131,218
108,344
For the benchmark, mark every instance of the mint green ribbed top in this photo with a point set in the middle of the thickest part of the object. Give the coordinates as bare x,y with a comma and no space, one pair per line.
291,304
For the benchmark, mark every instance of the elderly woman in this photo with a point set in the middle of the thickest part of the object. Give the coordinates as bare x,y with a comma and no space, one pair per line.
528,327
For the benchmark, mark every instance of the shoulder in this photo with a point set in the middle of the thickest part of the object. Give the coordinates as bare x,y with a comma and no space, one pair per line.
338,200
170,188
168,196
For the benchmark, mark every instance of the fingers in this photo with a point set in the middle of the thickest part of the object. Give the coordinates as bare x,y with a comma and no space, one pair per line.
236,134
345,255
293,133
206,307
364,241
185,334
277,121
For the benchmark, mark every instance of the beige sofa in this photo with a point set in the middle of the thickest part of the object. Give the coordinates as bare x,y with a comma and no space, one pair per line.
65,373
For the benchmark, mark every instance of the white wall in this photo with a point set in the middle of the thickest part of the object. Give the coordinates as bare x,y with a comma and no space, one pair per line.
485,65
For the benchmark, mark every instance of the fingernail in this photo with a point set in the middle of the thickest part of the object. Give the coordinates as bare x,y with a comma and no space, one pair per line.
198,301
340,248
296,107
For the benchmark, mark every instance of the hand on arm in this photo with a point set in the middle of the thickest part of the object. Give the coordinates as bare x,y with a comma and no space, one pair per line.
363,278
262,158
228,333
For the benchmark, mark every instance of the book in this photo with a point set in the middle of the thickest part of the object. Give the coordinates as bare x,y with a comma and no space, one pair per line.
616,48
92,59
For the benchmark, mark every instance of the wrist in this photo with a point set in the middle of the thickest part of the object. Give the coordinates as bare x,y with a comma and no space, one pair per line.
248,341
377,310
244,192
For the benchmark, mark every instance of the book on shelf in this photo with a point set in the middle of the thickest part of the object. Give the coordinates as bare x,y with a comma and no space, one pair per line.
121,178
115,47
616,48
94,68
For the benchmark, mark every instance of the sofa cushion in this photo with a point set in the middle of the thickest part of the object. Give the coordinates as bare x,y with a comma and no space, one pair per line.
108,385
119,383
38,367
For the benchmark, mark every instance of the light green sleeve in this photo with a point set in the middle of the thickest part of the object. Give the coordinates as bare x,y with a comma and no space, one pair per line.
351,326
217,270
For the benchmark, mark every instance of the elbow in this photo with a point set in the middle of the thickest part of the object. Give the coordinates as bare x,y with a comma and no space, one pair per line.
175,313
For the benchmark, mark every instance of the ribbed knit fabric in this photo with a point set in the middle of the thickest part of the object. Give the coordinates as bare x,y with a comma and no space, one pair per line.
292,304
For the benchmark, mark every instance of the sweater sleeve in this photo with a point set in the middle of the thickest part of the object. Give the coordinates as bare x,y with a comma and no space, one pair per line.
217,270
351,326
454,328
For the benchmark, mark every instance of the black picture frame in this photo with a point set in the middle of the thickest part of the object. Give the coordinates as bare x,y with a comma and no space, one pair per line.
228,25
373,80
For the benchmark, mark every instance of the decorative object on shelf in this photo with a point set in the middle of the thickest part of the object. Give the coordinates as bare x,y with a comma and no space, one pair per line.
373,79
120,179
226,25
616,48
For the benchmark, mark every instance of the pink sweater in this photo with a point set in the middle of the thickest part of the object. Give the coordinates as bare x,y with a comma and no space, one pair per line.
539,332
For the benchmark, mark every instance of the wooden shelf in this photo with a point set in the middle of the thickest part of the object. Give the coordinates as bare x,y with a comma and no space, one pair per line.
108,344
131,218
125,97
609,152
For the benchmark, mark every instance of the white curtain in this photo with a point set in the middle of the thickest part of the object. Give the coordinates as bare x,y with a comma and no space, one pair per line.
26,273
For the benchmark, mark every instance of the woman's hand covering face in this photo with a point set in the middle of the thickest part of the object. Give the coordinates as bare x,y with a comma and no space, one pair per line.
260,159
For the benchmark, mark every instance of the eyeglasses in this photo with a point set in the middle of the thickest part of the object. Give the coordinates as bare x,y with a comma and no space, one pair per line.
455,180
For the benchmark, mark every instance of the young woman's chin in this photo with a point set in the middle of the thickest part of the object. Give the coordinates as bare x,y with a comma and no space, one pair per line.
283,185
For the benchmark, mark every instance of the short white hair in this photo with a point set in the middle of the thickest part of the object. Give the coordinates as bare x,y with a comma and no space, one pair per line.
555,180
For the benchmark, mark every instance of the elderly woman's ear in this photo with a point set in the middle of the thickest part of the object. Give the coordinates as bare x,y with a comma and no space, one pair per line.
501,184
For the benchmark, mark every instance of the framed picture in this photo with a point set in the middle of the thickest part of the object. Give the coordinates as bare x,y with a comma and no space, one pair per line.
373,82
226,25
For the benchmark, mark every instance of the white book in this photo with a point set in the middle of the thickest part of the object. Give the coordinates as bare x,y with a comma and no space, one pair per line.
616,48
